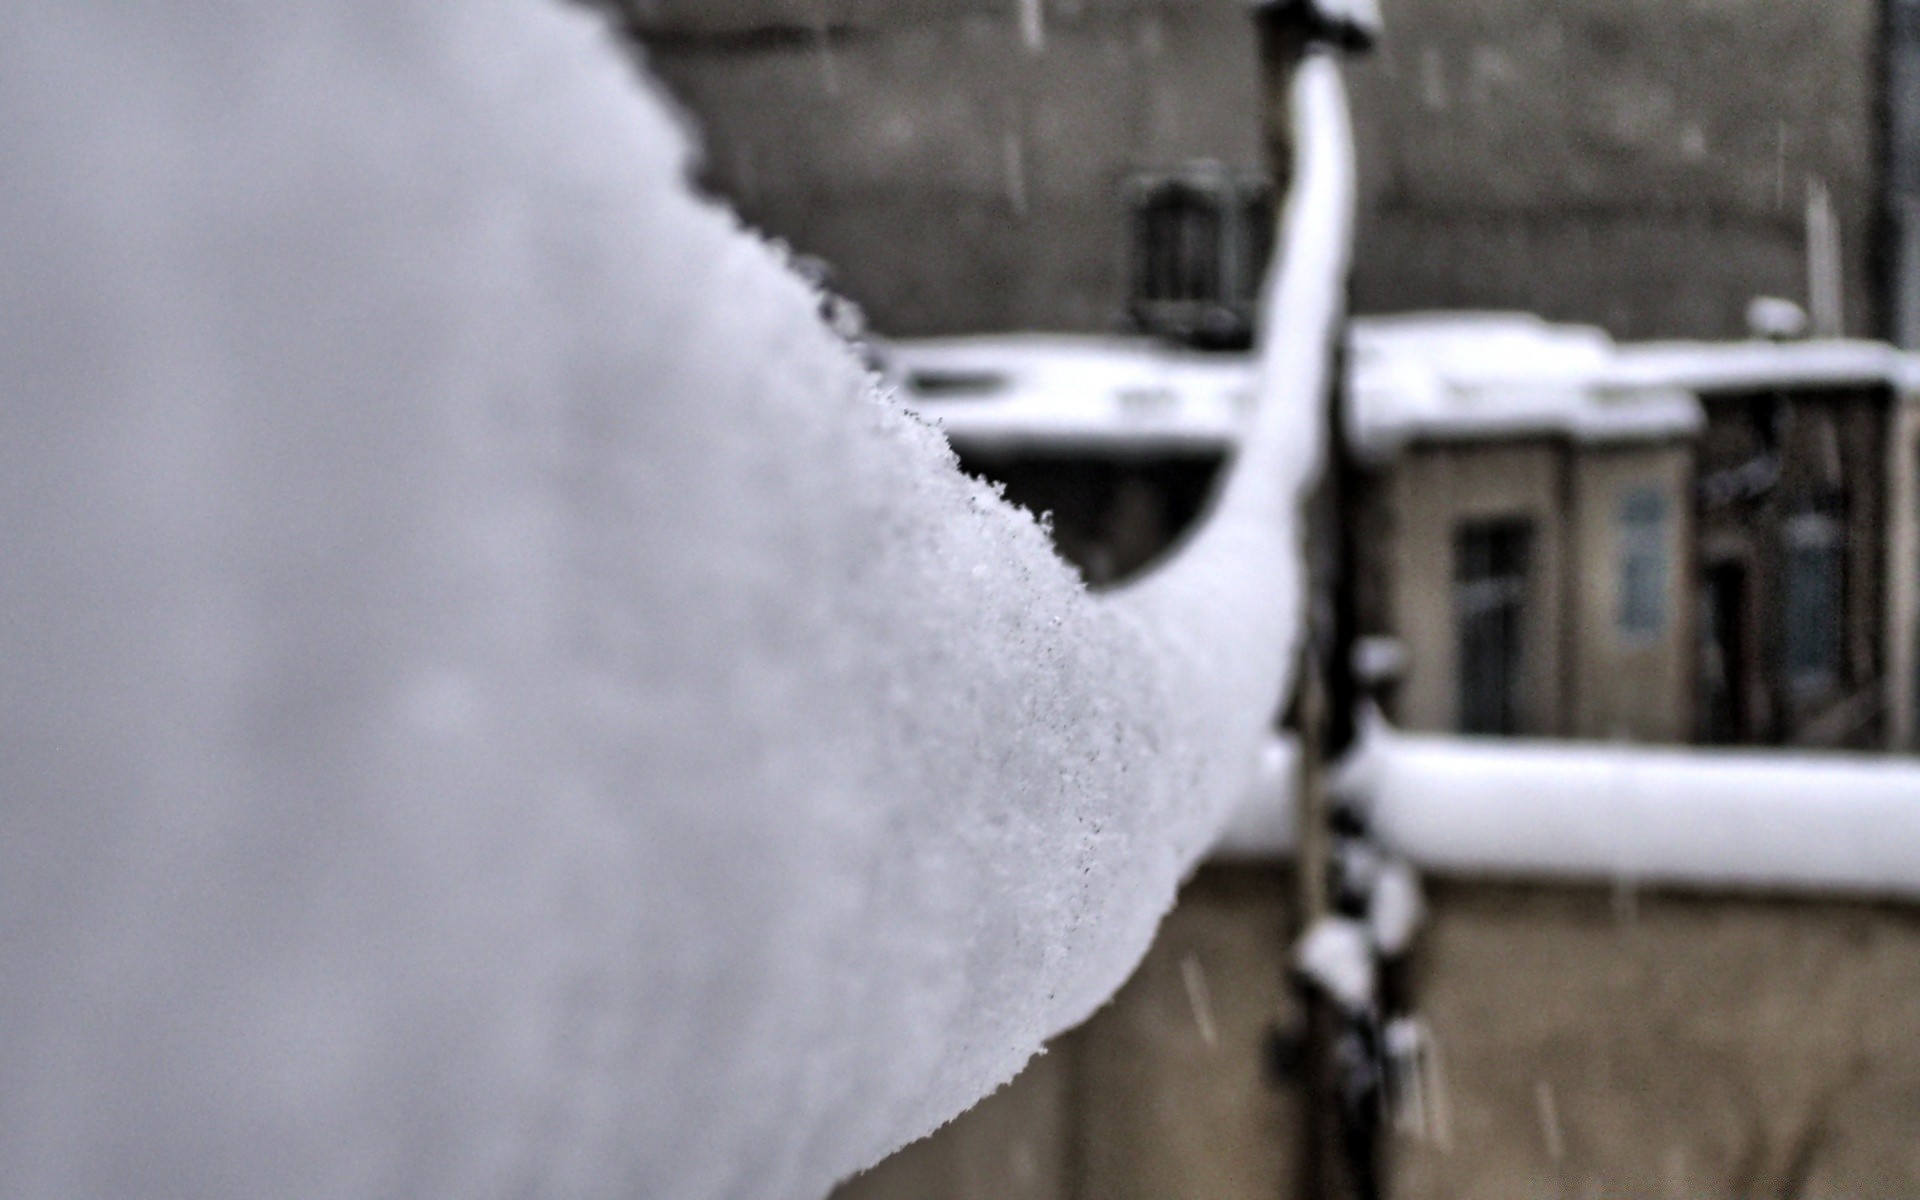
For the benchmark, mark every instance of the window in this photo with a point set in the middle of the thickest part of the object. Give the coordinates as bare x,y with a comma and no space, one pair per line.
1643,563
1490,592
944,385
1815,579
1201,239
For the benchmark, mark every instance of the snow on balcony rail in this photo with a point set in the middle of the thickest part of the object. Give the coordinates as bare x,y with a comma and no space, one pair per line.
496,702
1735,819
1713,820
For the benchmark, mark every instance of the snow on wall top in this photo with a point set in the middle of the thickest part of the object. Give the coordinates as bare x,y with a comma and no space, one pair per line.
1736,366
1064,392
1440,377
1474,376
497,703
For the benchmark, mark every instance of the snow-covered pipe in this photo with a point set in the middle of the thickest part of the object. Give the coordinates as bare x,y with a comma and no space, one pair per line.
1690,818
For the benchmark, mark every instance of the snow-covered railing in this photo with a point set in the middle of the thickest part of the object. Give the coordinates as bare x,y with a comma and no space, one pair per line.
1745,820
496,702
1688,818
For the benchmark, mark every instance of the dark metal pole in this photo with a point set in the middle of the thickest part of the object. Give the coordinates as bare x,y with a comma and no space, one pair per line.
1339,1151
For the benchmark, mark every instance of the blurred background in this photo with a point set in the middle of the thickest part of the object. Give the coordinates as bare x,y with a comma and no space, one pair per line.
1632,459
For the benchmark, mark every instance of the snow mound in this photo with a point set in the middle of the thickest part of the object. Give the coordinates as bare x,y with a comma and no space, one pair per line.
496,701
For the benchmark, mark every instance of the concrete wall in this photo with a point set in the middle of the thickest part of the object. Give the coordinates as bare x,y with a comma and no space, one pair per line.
957,179
1430,490
1602,1044
1638,164
1592,1043
1903,577
1624,685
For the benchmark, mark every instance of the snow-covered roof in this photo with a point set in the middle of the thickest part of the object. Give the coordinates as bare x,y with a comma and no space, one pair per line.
1479,376
1430,377
1069,392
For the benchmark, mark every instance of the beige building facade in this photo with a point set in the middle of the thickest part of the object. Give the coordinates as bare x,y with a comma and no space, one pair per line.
1602,634
1526,532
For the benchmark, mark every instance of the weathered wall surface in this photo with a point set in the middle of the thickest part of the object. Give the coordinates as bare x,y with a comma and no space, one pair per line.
1637,164
1592,1043
1903,577
958,176
1613,1045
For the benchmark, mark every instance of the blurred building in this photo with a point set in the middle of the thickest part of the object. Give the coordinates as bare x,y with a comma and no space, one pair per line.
976,165
1567,536
1526,529
1568,533
1806,564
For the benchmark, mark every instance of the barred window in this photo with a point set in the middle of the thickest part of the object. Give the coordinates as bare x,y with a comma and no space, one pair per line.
1201,239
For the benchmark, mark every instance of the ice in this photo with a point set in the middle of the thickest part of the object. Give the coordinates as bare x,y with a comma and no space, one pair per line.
497,703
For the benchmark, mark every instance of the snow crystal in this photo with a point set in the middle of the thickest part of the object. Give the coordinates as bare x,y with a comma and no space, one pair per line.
496,703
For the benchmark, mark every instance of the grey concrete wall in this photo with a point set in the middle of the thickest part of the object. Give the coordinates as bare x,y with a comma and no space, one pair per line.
1638,164
956,179
1903,577
1431,489
1621,685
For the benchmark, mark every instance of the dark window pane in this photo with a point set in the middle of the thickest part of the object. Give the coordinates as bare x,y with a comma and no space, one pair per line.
1490,591
1815,567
